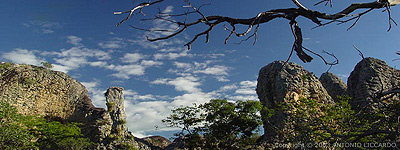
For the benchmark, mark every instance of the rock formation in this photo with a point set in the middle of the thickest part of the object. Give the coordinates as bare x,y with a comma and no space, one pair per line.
333,85
280,84
115,107
369,78
42,92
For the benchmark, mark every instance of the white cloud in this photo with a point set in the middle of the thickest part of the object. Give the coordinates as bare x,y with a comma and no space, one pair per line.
44,27
245,91
151,63
83,52
74,40
171,56
182,65
98,64
22,56
132,57
114,43
71,62
97,95
248,83
126,71
215,70
186,84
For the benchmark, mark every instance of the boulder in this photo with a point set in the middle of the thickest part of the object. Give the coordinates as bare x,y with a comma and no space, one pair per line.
282,84
369,79
42,92
333,85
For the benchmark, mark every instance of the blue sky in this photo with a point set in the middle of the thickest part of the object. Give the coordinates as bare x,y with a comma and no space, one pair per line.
80,38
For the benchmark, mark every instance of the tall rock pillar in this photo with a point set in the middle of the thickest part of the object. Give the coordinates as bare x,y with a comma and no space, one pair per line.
115,106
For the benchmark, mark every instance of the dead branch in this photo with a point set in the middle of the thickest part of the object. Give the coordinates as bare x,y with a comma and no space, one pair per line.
359,52
290,14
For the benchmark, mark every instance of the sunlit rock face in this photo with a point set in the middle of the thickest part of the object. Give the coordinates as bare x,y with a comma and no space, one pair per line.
116,109
280,84
369,78
42,92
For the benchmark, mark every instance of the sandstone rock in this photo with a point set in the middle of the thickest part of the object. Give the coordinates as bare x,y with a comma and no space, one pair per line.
369,78
42,92
333,85
286,84
156,142
116,109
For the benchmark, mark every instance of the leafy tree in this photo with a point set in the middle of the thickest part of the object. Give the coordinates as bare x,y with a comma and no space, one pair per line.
218,124
28,132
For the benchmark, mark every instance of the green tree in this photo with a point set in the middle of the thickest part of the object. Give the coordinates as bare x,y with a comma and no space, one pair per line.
218,124
28,132
13,134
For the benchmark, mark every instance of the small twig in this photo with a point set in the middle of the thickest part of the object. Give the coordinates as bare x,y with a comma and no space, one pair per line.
330,2
323,59
359,52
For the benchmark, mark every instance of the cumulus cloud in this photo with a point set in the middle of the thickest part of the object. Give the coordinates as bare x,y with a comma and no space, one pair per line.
22,56
74,40
149,63
126,71
96,94
214,70
186,84
132,57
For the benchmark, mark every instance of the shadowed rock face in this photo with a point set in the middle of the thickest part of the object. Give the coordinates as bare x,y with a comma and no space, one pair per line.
283,84
333,85
370,77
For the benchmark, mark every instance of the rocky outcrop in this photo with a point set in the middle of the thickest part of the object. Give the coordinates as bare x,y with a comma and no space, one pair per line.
42,92
333,85
369,78
280,84
115,107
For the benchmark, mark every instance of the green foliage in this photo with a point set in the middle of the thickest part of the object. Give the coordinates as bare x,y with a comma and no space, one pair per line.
27,132
316,122
218,124
47,65
5,65
125,146
13,134
110,106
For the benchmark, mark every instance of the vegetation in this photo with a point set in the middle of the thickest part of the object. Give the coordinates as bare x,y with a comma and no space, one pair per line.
47,65
28,132
339,123
218,124
5,65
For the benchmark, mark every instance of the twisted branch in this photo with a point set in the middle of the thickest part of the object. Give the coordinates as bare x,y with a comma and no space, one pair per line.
290,14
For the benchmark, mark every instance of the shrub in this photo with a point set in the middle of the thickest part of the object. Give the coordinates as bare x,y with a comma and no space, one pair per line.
28,132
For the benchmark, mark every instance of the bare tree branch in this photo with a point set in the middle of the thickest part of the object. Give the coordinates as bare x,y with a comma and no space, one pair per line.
290,14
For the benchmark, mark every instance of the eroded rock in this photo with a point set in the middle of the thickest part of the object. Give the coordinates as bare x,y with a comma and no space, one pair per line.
280,84
369,78
333,85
